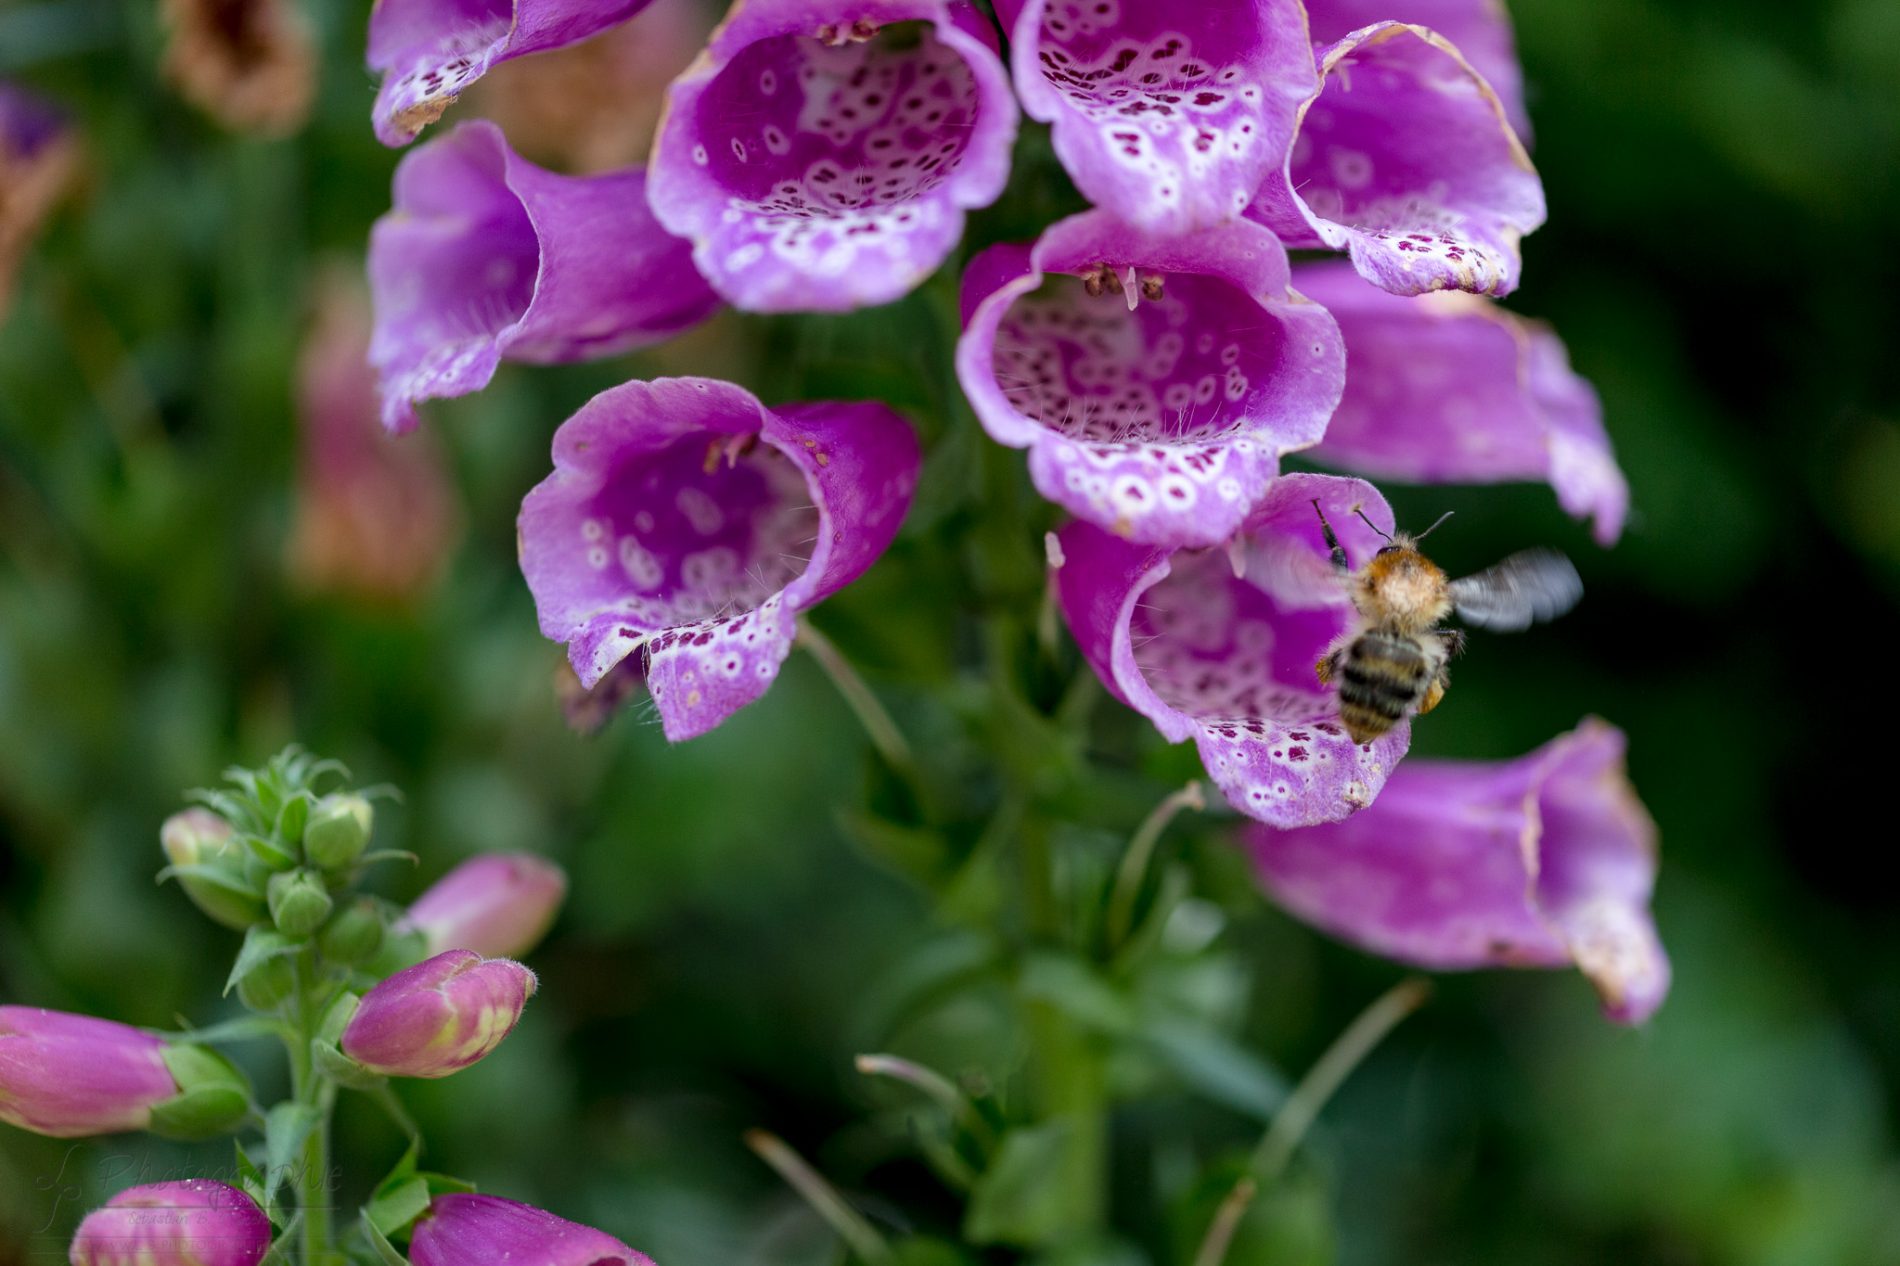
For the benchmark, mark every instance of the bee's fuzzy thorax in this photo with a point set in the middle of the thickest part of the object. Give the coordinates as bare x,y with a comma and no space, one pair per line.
1401,589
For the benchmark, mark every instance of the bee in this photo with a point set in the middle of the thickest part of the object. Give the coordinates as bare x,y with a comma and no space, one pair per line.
1391,663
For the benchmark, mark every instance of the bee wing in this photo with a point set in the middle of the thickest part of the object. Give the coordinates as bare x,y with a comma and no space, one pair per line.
1297,578
1537,584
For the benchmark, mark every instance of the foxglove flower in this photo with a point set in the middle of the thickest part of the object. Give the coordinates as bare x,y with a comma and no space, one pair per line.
1481,30
192,1223
1220,646
1451,388
374,518
38,157
1154,381
460,1229
1545,861
250,64
430,51
676,525
499,904
1405,160
67,1076
1167,114
822,160
487,257
438,1017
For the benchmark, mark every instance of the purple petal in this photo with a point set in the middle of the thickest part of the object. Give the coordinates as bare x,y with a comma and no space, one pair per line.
487,257
467,1230
818,166
438,1017
1169,115
38,160
1451,388
1405,160
1229,660
499,904
28,123
1544,861
1160,419
72,1075
430,51
191,1223
688,522
1481,30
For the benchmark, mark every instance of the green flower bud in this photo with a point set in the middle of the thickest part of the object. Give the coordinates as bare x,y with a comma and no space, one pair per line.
338,831
210,867
266,986
212,1097
355,933
299,903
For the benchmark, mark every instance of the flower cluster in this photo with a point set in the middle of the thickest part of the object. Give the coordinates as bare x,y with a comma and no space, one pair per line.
1157,356
358,991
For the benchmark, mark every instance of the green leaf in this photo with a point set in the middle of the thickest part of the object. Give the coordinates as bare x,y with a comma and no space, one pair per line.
1016,1201
269,851
926,1252
291,819
1076,989
212,876
1217,1066
395,1206
385,1251
252,1182
260,945
286,1128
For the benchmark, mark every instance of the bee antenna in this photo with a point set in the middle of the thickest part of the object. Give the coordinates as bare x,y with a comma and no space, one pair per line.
1360,511
1434,527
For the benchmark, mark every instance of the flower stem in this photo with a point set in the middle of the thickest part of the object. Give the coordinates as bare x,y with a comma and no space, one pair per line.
1303,1107
850,1225
310,1087
1134,863
883,732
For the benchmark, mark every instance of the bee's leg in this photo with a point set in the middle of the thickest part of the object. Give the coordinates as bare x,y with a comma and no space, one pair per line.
1435,692
1328,666
1453,640
1332,542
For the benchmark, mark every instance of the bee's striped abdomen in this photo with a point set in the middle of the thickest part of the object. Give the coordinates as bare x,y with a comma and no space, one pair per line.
1381,680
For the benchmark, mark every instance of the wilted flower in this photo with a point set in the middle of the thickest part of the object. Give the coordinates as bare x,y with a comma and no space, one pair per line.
212,867
1451,388
1545,861
676,523
1404,159
1167,114
1155,381
439,1016
497,904
821,157
487,257
192,1223
430,51
250,64
374,518
67,1076
37,159
1220,645
461,1229
1481,30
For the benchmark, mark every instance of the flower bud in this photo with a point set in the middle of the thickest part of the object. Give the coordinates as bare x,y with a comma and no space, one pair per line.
439,1016
191,1223
338,831
354,935
266,986
212,1097
200,838
461,1228
71,1075
498,904
299,903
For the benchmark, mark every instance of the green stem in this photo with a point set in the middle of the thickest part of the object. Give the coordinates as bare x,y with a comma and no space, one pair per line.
883,732
851,1226
311,1088
1134,864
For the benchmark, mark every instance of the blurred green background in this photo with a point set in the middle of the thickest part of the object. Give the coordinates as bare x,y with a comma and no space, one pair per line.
1724,178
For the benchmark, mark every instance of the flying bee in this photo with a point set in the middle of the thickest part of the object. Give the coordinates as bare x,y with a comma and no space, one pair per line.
1392,662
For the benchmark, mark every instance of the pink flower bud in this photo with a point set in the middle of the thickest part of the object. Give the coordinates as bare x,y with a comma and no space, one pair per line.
498,904
460,1229
71,1075
192,1223
439,1016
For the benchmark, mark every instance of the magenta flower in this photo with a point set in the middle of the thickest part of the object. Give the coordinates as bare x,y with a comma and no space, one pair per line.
1219,646
1481,30
67,1076
1544,861
1155,382
461,1230
1404,159
498,905
818,165
1167,114
439,1016
430,51
192,1223
487,257
677,523
1451,388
